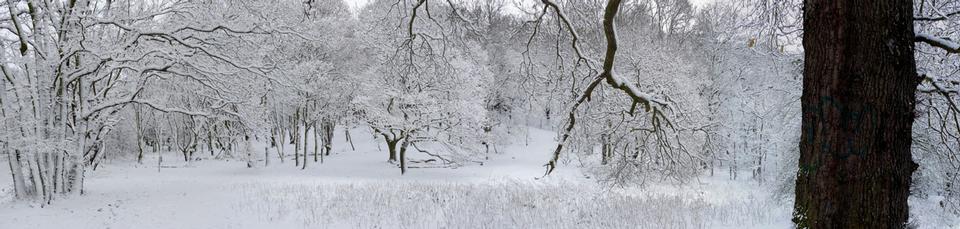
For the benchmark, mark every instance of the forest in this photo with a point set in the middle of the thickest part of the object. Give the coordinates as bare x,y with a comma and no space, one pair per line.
479,114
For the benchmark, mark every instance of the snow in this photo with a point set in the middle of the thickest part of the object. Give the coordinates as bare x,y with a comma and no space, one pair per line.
359,189
928,213
6,180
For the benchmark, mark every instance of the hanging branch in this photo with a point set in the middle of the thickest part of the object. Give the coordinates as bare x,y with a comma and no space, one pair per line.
650,104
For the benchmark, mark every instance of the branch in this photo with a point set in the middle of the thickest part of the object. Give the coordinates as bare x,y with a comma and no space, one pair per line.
939,42
20,34
575,43
445,160
609,28
938,86
940,18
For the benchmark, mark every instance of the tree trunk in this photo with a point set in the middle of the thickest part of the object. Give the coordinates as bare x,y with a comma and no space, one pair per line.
306,128
139,122
42,177
140,150
280,144
249,151
392,147
606,150
20,188
403,157
858,102
328,128
296,146
346,133
159,160
34,175
210,140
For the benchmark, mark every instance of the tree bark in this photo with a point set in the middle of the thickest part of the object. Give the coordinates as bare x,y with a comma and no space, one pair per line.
403,157
606,150
139,123
249,150
280,144
328,128
858,110
296,145
316,145
20,188
346,133
392,147
210,139
306,129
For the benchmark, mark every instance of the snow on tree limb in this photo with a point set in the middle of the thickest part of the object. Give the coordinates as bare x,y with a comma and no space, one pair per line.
939,42
575,43
20,33
607,74
938,84
941,17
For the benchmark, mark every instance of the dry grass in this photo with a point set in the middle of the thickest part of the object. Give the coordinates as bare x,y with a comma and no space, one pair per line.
494,205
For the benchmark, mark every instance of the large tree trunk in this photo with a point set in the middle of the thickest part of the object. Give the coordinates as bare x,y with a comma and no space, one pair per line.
392,147
858,102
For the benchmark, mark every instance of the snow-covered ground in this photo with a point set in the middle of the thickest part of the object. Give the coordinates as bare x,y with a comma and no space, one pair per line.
359,189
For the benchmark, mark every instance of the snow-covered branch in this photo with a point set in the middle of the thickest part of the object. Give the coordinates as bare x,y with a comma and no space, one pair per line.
939,17
944,43
650,104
